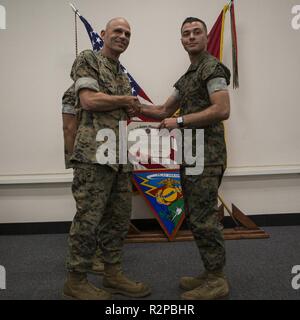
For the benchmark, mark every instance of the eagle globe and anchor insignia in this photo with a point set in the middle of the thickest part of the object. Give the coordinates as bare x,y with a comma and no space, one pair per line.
162,191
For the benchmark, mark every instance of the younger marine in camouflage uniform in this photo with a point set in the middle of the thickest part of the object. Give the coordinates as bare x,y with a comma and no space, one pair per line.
202,98
102,192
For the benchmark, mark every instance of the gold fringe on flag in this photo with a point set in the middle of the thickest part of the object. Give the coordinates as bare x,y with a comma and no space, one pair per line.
225,9
234,47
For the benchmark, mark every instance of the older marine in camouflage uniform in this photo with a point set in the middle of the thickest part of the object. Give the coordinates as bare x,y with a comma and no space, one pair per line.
70,129
69,100
69,122
203,101
102,192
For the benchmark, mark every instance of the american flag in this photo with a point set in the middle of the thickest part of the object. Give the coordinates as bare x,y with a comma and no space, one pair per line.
97,44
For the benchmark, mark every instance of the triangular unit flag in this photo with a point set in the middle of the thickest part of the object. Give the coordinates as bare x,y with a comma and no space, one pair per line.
162,191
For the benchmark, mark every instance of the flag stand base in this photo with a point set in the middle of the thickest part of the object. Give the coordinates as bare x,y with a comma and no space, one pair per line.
186,235
245,229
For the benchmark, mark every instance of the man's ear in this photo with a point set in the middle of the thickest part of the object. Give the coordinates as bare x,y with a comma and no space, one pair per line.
206,44
102,33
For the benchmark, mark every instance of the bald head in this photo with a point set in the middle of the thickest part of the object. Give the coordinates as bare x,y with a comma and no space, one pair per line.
115,21
116,37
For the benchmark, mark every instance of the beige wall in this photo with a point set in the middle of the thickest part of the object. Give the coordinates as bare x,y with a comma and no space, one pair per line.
53,202
37,51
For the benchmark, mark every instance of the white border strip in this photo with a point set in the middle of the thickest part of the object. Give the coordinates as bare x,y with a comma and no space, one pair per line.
66,177
262,170
38,178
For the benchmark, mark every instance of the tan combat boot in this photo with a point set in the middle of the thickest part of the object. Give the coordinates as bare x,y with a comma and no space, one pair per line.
97,266
77,287
115,281
215,286
190,283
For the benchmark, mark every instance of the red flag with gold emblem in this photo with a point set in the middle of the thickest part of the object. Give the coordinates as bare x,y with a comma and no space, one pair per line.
216,40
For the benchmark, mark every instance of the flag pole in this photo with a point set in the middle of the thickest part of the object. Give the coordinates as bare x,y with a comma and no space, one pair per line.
74,9
76,28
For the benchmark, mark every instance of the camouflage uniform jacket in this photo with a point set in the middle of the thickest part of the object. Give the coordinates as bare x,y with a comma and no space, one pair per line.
96,72
68,108
68,101
194,97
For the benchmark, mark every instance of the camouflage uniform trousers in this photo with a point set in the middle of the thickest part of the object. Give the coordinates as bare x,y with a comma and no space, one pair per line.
201,207
103,202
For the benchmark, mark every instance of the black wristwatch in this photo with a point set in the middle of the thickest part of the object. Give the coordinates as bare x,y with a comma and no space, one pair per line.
180,122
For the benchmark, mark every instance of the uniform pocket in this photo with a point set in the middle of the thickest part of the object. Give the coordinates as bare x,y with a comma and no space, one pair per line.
107,86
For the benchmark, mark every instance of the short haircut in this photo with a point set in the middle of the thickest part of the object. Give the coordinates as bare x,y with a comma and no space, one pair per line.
193,19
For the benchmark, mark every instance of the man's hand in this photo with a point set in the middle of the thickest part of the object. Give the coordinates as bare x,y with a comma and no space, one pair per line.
129,101
134,108
101,102
168,123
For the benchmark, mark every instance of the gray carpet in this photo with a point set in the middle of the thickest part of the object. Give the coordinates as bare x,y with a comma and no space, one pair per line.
257,269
